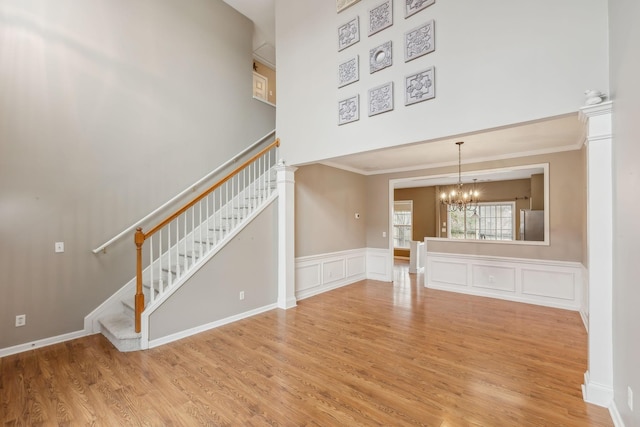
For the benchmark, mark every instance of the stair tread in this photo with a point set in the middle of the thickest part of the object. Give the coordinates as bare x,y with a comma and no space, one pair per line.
120,325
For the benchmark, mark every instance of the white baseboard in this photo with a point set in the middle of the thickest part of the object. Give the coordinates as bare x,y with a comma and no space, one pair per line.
189,332
595,393
556,284
615,415
41,343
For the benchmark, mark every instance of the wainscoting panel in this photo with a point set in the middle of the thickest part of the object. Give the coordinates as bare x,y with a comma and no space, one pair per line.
333,270
308,276
450,273
379,264
320,273
556,284
542,282
493,277
356,265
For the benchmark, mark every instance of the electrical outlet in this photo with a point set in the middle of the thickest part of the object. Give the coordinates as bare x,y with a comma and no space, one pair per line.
630,397
241,295
21,320
384,234
59,247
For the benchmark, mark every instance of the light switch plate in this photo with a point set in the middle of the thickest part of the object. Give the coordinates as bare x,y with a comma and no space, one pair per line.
59,247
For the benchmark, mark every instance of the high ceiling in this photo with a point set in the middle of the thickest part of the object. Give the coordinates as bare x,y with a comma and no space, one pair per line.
544,136
262,13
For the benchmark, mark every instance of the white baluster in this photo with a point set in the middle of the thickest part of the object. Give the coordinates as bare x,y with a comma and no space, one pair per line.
151,293
160,279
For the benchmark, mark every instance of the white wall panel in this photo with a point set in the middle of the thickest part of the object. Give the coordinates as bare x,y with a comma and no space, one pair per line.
494,277
550,283
450,273
333,270
554,284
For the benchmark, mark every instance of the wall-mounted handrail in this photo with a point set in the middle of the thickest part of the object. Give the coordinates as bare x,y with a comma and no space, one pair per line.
190,188
259,166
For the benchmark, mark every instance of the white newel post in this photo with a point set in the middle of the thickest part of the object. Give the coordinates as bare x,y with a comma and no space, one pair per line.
286,241
598,380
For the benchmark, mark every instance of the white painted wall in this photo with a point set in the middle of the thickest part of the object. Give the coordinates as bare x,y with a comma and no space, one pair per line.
625,92
497,63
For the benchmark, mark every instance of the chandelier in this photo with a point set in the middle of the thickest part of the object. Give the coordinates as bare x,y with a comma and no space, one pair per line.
459,197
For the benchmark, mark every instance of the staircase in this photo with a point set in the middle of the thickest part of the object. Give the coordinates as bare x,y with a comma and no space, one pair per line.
181,244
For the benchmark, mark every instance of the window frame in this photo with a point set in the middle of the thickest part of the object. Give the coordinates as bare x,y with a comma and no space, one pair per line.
512,204
395,226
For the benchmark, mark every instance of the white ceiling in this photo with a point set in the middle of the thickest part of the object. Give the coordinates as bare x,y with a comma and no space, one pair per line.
545,136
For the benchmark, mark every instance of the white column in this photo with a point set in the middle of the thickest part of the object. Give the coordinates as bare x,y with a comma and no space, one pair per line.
598,380
286,240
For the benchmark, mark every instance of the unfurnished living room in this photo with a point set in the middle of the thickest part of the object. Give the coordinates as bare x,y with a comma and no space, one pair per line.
349,212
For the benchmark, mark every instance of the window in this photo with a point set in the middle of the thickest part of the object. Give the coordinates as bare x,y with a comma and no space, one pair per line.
487,221
402,219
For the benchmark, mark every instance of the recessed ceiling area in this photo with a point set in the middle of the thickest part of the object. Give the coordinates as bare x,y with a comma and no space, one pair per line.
503,174
555,134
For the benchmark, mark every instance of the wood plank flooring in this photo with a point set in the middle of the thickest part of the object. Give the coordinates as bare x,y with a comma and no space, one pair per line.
368,354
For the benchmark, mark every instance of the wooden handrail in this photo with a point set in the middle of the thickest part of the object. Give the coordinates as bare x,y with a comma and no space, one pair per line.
141,237
178,196
208,191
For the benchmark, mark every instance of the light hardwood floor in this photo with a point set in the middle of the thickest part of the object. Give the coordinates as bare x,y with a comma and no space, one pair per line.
371,353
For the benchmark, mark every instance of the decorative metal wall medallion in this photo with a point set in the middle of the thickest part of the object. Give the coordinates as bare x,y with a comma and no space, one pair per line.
348,71
381,17
420,86
419,41
414,6
381,99
380,57
343,4
349,34
349,110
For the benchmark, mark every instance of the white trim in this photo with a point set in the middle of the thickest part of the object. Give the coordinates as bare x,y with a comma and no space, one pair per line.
512,279
202,328
598,394
45,342
599,146
615,415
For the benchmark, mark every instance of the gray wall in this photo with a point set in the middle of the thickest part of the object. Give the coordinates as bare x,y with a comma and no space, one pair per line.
248,263
107,109
567,201
326,201
625,92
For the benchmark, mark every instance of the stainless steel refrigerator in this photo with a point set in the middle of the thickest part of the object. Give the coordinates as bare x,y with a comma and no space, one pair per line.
532,225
